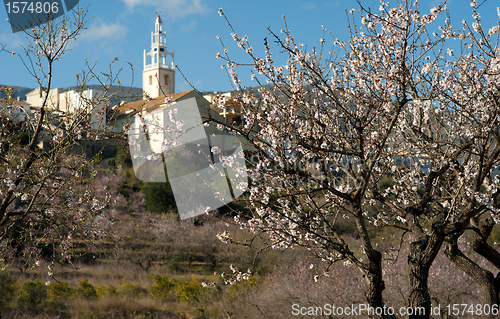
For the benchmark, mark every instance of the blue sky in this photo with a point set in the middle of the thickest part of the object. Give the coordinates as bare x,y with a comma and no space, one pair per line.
122,28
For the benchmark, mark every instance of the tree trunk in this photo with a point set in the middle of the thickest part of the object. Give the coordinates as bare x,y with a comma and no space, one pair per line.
480,244
483,277
373,268
422,254
419,298
376,284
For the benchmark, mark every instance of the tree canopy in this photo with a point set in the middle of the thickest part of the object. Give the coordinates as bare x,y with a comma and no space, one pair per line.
47,197
396,127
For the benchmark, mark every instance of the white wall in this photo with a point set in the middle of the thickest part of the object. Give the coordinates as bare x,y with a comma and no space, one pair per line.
71,102
36,100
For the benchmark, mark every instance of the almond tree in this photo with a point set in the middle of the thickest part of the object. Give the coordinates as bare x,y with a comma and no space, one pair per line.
392,128
47,201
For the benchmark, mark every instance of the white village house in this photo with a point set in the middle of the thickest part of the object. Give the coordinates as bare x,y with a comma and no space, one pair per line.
67,102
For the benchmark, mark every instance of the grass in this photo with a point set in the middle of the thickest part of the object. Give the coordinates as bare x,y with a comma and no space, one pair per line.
115,285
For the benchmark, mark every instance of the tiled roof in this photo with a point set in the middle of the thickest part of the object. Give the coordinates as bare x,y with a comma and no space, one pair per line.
131,108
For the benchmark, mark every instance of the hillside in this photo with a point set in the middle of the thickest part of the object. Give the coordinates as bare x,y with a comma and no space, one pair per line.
17,91
124,93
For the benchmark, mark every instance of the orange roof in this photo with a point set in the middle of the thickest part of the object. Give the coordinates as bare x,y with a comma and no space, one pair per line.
148,106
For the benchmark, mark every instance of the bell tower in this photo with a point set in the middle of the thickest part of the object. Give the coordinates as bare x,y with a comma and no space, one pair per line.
158,75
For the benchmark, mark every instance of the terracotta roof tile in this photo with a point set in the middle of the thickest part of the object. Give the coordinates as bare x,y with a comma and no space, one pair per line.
148,106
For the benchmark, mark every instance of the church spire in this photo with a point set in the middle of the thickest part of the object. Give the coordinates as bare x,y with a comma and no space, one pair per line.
158,74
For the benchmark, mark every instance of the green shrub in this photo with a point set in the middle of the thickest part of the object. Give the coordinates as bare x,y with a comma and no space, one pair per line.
131,183
123,157
168,289
163,288
103,291
33,295
85,289
159,197
189,291
8,288
58,295
60,290
127,289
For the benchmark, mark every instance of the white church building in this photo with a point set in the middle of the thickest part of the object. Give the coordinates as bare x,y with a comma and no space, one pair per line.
160,98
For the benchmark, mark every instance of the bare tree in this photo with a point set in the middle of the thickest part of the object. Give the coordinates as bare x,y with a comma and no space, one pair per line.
392,128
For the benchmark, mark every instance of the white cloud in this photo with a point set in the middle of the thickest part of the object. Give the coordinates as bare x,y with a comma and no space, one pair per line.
308,5
172,8
186,27
12,41
102,33
331,5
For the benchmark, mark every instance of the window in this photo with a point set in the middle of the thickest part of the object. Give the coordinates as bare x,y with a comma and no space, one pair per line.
150,80
166,80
